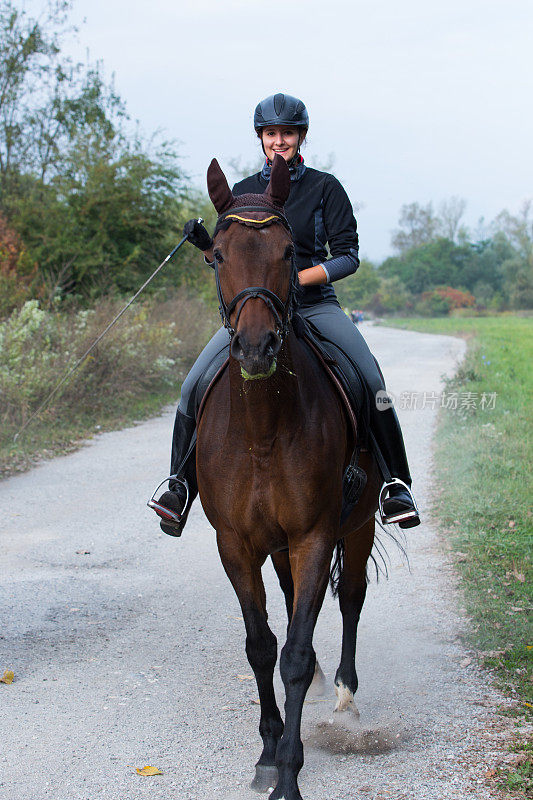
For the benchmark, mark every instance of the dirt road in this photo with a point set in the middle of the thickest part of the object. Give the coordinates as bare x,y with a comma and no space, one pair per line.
128,646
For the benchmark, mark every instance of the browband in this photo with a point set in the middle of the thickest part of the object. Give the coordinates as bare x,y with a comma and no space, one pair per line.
240,215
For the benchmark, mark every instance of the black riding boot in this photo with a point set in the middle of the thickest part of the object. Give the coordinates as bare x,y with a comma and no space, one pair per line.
399,505
174,505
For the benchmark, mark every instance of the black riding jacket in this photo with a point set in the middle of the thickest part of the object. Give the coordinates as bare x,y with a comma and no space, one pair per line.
320,215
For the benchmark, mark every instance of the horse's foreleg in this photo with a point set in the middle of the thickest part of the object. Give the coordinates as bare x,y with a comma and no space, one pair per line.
352,592
282,566
261,648
310,570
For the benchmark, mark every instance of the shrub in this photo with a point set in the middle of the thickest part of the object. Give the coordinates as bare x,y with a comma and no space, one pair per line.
146,354
442,300
17,270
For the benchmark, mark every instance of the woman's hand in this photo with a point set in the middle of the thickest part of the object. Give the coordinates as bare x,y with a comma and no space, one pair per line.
313,276
197,235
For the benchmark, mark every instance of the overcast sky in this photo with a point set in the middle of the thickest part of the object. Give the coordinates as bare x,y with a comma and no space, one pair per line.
418,100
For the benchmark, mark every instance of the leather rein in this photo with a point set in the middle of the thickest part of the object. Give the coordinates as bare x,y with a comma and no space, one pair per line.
281,311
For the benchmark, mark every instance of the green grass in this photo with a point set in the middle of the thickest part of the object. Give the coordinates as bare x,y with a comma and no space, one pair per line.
483,462
483,502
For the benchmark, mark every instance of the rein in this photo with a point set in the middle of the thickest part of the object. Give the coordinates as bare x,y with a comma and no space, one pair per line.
280,310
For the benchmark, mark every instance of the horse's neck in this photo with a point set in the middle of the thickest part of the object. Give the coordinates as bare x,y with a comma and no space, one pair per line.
261,408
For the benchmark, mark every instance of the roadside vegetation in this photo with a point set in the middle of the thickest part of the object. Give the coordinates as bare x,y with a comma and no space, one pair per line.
484,504
439,265
89,206
132,374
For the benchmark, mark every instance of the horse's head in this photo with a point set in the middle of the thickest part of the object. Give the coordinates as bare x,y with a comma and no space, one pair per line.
254,267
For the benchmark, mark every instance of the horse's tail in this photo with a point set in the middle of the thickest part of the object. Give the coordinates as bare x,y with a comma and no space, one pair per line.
337,567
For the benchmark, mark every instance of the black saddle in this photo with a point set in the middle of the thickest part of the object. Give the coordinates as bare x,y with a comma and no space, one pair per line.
345,370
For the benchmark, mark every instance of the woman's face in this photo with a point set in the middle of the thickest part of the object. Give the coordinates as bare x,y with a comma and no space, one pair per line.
281,139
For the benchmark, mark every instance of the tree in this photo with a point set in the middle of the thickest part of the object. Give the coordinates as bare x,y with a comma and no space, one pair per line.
430,264
449,218
357,290
33,76
517,268
95,205
418,225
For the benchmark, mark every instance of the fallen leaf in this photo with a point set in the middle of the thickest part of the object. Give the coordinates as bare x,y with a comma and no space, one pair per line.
255,701
491,773
148,771
512,523
8,676
516,608
466,662
245,677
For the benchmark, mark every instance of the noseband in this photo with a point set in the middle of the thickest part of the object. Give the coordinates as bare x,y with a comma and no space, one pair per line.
281,311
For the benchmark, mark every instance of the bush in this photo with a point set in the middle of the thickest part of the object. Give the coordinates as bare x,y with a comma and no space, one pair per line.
17,270
145,356
442,300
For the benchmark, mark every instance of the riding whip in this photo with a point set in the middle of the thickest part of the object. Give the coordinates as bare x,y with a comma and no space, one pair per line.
100,337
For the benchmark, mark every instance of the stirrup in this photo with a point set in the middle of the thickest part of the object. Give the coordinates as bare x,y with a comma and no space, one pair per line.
398,516
163,511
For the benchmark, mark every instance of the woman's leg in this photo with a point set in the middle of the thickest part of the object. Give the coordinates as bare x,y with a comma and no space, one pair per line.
335,326
218,343
173,505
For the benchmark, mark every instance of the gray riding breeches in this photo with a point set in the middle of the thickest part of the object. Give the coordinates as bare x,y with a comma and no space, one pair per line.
327,317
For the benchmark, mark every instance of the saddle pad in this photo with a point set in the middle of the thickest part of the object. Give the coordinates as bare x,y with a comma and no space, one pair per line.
209,378
349,376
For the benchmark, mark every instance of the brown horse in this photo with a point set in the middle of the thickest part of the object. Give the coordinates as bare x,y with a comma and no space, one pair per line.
273,444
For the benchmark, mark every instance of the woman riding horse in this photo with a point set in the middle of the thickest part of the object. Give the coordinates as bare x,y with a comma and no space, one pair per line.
320,216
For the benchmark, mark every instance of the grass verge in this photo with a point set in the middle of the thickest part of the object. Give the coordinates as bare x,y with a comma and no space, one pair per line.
483,470
135,371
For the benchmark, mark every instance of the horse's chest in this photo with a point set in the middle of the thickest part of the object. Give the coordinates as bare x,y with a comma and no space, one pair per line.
252,488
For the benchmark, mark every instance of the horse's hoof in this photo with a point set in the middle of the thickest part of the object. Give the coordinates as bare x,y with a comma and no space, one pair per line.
265,779
345,700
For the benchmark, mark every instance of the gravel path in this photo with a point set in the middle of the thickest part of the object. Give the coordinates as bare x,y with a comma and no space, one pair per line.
128,645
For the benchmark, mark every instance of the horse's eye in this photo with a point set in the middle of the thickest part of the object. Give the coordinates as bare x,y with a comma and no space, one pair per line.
289,252
218,257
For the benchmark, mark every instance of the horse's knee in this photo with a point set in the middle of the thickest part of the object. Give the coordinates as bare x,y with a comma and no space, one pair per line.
297,664
262,651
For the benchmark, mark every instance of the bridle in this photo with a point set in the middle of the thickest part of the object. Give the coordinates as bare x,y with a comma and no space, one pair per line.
281,311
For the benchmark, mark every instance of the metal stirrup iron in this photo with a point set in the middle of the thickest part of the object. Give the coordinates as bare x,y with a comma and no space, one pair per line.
163,510
397,516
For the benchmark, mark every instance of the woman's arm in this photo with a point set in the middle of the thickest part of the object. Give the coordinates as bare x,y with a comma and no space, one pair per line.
313,276
341,232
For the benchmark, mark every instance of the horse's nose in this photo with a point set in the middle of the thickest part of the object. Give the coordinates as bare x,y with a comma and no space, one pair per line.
256,357
236,348
271,344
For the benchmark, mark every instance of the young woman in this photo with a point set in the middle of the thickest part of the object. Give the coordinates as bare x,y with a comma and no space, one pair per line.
320,215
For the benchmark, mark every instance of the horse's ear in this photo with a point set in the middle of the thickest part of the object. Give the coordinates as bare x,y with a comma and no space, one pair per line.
280,181
217,186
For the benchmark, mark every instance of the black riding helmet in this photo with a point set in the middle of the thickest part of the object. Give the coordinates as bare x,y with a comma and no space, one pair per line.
280,109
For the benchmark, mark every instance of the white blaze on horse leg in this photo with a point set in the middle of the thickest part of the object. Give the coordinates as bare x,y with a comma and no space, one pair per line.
345,699
318,684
